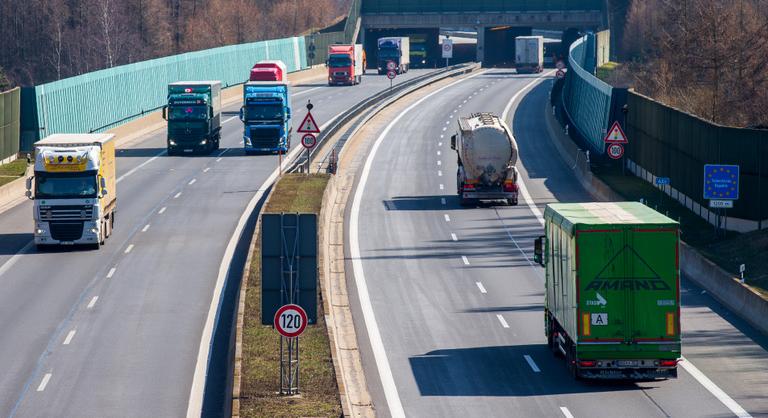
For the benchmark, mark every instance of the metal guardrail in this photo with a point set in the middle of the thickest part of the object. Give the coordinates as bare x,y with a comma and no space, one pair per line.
372,105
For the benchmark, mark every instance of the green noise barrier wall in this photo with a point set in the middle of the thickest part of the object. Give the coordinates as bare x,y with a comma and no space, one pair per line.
102,99
9,123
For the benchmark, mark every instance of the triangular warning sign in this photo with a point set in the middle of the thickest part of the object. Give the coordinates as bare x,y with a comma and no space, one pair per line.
616,135
308,125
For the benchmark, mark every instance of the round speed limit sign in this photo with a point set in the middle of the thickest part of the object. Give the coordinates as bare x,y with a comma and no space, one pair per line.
290,320
391,65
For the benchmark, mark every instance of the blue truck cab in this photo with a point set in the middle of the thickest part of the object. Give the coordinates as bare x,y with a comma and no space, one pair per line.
266,116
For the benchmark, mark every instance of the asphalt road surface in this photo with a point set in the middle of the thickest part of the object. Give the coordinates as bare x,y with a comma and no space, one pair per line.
116,332
449,306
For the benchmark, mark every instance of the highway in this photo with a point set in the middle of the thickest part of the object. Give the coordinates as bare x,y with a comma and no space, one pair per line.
449,306
117,332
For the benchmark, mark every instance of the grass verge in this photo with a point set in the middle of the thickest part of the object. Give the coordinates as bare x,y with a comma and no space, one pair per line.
13,170
261,356
727,251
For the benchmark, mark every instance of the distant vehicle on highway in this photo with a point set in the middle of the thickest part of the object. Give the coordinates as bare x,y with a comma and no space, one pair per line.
266,117
269,70
418,53
74,189
346,64
193,113
396,49
487,154
529,54
612,305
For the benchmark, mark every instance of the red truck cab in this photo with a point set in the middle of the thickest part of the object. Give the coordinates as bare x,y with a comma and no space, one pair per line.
269,71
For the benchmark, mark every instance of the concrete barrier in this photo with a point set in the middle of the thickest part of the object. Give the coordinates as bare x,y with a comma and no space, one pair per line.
727,289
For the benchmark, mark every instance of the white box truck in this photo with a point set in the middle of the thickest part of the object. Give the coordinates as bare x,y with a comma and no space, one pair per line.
74,189
529,54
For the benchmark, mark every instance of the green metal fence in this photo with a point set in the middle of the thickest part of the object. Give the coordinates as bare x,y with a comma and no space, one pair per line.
102,99
670,143
10,122
587,99
439,6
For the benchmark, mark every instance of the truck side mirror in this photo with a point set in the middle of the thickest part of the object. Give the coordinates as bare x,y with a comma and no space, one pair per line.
242,114
29,188
538,251
103,184
210,112
453,142
288,113
165,112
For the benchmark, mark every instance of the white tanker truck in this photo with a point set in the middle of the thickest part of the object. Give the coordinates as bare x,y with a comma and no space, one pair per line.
487,156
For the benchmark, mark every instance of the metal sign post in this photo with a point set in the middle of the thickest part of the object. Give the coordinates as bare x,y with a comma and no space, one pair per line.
290,321
721,188
447,50
308,127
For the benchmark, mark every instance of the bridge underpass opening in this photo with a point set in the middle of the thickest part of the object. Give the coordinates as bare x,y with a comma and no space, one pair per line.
425,47
499,45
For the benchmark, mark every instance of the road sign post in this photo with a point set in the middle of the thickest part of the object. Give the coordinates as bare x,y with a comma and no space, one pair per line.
290,321
391,74
721,188
308,127
447,49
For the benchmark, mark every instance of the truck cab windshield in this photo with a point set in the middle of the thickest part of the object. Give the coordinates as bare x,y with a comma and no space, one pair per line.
65,185
337,61
264,112
187,112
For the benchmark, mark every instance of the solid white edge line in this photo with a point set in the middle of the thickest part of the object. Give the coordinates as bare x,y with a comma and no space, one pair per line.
566,412
93,301
502,320
532,363
196,391
138,167
465,260
481,287
44,382
11,261
391,396
714,389
229,119
111,272
70,335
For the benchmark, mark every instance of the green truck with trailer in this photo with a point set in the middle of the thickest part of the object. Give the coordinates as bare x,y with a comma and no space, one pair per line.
193,113
612,305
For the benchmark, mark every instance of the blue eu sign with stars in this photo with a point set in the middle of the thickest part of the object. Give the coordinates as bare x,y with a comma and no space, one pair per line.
721,182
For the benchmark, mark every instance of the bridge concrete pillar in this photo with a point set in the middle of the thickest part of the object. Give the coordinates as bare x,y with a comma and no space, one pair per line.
480,44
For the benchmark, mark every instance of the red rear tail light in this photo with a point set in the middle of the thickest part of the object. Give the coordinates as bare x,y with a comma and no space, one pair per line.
668,363
587,363
469,186
510,187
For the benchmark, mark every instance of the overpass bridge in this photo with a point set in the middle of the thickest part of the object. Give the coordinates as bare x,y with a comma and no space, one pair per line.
497,22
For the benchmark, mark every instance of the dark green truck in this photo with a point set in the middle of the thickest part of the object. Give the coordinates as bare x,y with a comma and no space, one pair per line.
612,304
193,113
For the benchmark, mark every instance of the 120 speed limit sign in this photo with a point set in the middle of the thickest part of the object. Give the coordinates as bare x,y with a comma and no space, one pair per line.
290,320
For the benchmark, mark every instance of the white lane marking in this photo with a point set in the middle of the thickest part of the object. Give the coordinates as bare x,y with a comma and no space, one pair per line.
442,136
464,102
445,128
447,122
566,412
229,119
191,182
442,187
70,335
439,144
481,287
532,363
442,201
391,396
11,261
455,110
92,303
439,153
521,184
439,162
454,237
714,389
111,272
138,167
465,260
218,159
146,227
130,247
447,218
195,403
305,91
44,382
160,212
440,173
502,320
206,169
176,196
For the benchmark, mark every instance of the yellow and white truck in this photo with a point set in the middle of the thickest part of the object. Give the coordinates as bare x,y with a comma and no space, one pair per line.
74,189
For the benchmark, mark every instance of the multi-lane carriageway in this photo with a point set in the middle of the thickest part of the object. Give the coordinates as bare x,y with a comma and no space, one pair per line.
117,332
449,306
